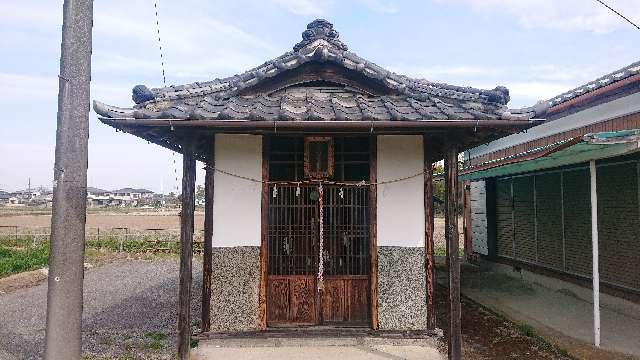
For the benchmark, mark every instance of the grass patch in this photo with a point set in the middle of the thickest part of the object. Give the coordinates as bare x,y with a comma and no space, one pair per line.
527,330
156,335
26,253
157,339
15,260
442,251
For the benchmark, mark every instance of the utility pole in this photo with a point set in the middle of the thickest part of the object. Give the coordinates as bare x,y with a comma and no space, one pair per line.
66,259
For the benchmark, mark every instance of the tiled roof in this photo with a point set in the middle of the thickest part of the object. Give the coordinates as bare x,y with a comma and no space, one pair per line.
311,103
413,99
618,75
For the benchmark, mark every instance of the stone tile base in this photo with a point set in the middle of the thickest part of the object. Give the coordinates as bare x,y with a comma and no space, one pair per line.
234,288
402,303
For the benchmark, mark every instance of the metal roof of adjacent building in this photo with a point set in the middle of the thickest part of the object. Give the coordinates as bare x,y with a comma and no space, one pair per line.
619,75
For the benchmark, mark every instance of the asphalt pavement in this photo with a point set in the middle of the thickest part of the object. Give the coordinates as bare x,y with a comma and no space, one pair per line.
130,309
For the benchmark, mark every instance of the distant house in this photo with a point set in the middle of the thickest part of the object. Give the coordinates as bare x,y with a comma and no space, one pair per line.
98,197
5,197
131,197
41,197
33,197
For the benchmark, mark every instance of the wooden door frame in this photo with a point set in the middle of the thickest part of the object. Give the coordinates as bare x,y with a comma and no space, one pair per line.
373,250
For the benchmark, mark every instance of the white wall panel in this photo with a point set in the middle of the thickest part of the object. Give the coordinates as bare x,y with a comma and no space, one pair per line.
400,206
479,217
237,202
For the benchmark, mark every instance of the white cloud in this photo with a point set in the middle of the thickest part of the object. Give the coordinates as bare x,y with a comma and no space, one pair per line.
440,71
196,46
537,90
38,14
380,6
527,83
304,7
19,88
566,15
324,7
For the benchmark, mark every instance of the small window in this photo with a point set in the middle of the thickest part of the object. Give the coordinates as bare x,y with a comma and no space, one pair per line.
318,157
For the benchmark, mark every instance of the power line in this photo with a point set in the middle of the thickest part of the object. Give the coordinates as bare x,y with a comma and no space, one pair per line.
619,14
164,79
164,83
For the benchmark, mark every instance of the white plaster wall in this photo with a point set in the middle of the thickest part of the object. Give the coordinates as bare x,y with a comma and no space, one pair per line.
478,200
237,202
400,205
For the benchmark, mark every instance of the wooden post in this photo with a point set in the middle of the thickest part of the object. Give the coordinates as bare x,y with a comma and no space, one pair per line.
451,216
595,257
428,235
466,219
264,236
208,239
68,220
186,251
373,211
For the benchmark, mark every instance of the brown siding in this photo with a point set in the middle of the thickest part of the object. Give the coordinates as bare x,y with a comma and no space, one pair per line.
524,219
544,219
504,218
619,224
577,221
549,220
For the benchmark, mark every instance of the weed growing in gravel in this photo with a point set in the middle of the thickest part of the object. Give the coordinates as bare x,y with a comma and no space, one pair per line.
156,335
527,330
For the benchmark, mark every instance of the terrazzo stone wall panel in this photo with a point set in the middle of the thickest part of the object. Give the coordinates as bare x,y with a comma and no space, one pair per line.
234,288
401,288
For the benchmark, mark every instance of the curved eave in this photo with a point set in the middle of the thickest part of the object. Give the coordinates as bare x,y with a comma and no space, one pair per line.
114,112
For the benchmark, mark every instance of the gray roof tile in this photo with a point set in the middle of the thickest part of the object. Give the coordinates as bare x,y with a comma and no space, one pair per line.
221,99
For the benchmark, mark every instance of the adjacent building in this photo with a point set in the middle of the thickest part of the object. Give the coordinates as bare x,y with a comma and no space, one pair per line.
531,194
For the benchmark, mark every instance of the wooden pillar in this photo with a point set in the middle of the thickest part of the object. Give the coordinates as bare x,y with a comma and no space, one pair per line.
373,219
208,238
594,248
264,236
466,219
186,252
429,263
453,259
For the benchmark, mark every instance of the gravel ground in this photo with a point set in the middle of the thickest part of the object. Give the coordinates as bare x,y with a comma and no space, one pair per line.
129,310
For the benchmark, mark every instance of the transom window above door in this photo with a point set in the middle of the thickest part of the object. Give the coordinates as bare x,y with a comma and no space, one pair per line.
338,158
318,157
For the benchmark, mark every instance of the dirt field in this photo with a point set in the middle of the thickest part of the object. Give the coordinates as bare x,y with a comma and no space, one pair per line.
141,220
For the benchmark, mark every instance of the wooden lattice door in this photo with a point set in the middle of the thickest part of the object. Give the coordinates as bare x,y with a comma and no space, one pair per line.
295,296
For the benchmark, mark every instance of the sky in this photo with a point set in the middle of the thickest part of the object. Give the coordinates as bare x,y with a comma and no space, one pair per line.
536,48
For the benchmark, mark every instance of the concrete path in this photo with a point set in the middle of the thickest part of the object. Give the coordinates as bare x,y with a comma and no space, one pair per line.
550,303
316,349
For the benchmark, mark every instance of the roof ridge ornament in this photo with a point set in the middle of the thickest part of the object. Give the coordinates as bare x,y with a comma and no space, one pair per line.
320,29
